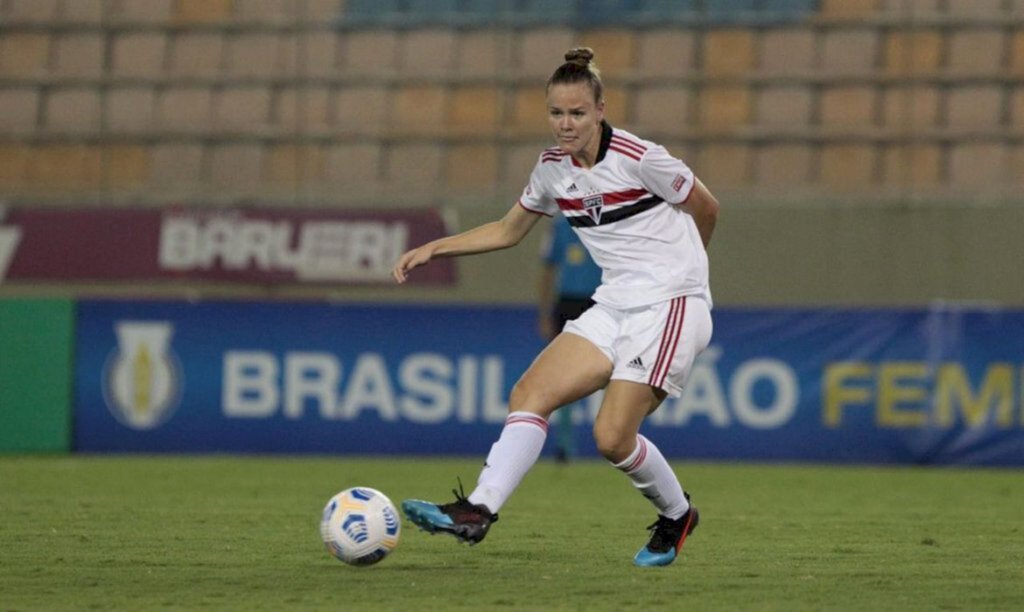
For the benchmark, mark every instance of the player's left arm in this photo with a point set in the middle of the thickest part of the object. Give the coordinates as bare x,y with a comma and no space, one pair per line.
703,207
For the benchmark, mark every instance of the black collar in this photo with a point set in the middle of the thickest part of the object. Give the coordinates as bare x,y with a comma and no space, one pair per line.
606,139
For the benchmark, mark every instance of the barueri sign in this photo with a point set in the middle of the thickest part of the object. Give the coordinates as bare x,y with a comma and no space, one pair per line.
261,246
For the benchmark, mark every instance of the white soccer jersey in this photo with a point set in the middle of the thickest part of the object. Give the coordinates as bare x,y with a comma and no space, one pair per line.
623,210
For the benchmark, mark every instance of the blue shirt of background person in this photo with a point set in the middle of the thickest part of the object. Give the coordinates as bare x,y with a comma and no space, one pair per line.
568,280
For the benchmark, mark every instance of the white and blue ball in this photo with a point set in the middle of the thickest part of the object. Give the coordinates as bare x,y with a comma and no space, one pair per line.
360,526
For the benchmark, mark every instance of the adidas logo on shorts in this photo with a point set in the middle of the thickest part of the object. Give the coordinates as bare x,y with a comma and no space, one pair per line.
637,363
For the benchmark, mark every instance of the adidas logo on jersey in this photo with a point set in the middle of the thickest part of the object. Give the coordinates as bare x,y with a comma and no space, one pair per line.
637,363
573,188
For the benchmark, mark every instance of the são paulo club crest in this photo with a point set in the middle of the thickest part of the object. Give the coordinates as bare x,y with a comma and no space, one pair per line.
592,205
142,380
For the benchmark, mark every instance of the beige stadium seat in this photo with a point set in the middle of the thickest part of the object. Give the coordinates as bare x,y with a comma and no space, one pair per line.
475,109
1016,59
356,167
540,52
21,12
910,107
614,49
617,105
848,9
976,52
974,9
236,167
125,167
64,168
427,53
728,52
78,55
483,53
668,53
72,110
978,164
254,55
414,166
319,54
1017,110
82,12
133,11
196,54
849,51
725,165
19,110
369,53
665,109
783,165
785,106
913,52
194,12
14,161
912,165
418,110
308,110
242,109
294,165
848,166
787,51
724,109
975,107
528,112
174,164
364,109
139,55
471,168
263,12
848,106
24,54
130,110
185,109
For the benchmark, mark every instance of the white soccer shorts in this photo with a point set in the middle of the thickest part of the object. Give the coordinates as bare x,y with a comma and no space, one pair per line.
654,345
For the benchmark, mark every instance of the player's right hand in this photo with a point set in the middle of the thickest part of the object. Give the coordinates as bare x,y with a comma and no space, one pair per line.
409,260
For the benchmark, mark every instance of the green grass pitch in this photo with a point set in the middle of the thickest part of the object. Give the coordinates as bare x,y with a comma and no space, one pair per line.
227,533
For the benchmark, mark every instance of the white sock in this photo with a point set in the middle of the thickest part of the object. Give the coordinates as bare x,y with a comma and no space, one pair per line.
515,452
653,476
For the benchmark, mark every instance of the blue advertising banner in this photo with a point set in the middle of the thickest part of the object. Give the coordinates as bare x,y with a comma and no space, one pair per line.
909,386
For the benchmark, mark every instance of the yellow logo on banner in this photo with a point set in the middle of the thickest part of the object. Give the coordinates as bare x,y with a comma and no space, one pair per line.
143,378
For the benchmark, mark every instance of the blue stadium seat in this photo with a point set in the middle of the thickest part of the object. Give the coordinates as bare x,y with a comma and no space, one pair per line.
545,12
730,11
370,12
429,12
787,10
485,13
607,12
654,12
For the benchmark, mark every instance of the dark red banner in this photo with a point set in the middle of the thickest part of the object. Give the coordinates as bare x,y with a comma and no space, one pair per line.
256,246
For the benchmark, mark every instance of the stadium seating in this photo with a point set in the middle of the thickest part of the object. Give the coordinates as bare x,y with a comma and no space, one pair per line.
360,101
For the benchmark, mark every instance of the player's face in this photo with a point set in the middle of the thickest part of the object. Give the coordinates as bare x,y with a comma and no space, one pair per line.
575,118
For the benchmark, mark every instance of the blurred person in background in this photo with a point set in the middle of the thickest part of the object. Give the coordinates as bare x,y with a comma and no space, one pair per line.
567,282
646,220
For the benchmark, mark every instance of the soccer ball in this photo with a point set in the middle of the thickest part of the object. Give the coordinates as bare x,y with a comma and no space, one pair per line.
360,526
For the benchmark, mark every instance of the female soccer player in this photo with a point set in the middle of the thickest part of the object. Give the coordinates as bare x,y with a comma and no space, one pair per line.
646,221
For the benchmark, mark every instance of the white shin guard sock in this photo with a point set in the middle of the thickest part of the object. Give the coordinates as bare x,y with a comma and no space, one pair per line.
653,476
515,452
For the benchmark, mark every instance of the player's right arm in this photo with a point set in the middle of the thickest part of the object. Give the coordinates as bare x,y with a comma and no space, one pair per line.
496,235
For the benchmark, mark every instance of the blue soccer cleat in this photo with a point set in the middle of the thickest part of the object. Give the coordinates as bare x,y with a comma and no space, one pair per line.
667,537
466,521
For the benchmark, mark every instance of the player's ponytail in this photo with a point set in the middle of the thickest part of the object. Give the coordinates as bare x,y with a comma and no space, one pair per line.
579,67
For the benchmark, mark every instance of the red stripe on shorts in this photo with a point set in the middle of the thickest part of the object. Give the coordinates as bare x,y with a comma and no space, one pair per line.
669,342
